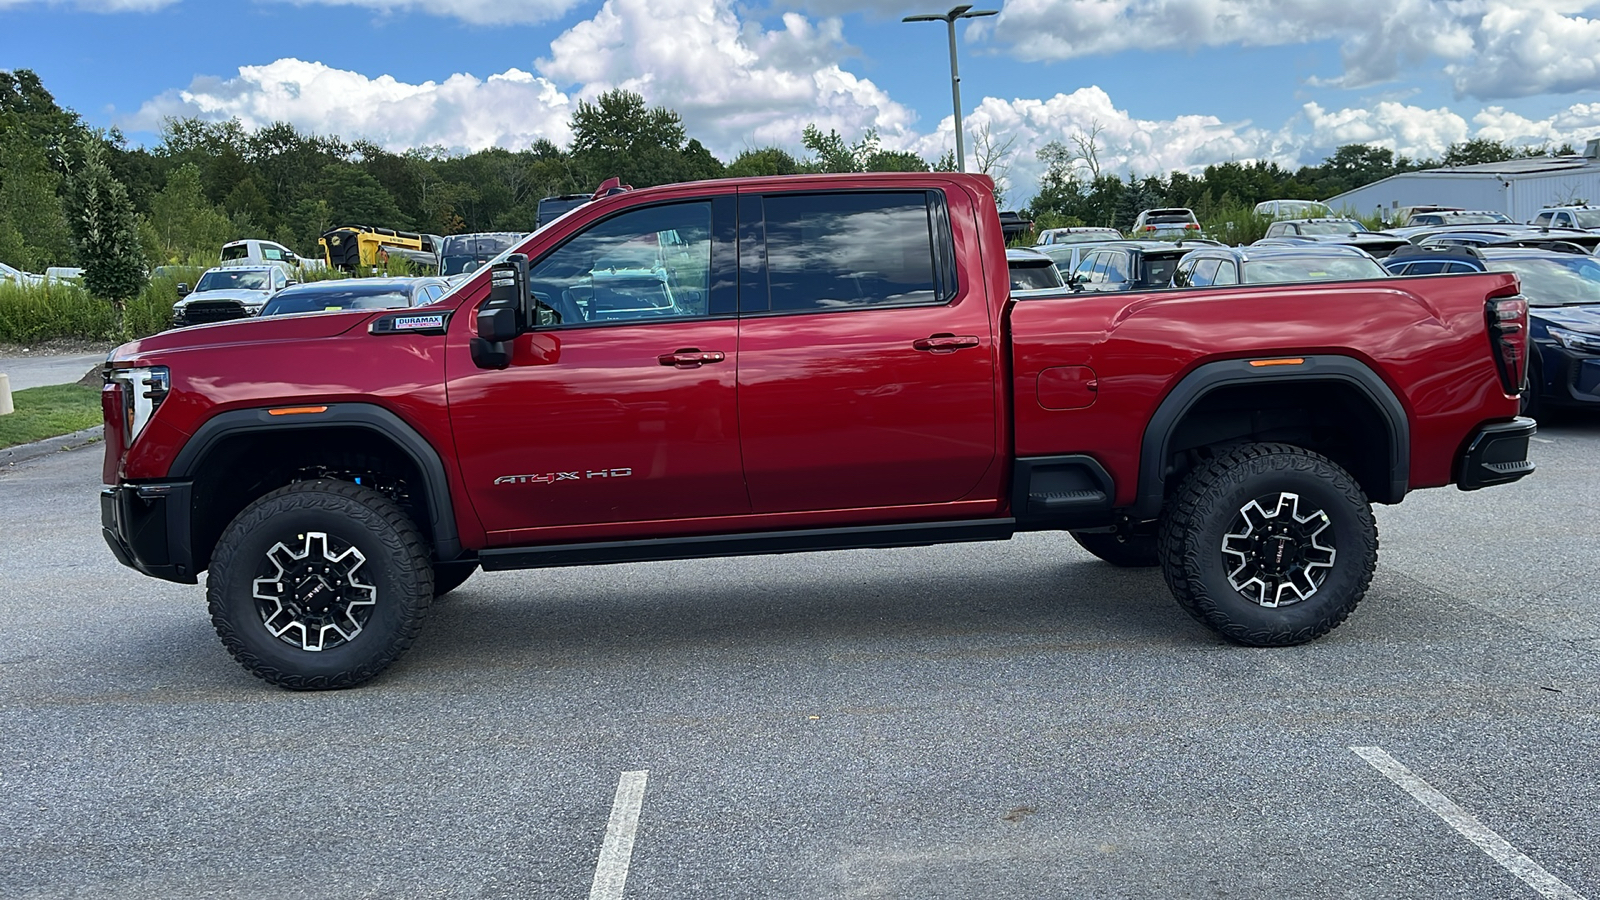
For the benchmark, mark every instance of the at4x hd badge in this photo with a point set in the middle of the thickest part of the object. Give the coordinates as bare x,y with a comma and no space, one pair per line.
553,477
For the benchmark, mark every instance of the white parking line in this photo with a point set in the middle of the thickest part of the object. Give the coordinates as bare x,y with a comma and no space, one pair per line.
1469,827
611,873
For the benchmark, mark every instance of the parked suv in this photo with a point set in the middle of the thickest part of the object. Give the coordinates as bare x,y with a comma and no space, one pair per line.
1131,265
1268,264
1177,219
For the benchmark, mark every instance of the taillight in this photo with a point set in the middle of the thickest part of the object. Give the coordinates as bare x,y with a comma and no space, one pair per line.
1192,227
1508,336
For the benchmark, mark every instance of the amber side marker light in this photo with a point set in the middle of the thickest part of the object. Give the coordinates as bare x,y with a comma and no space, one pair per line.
1292,361
296,410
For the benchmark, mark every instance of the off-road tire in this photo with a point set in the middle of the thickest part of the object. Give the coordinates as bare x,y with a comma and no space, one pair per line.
1133,551
1214,502
393,568
451,575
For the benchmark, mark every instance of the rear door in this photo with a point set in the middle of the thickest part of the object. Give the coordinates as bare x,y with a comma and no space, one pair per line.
866,361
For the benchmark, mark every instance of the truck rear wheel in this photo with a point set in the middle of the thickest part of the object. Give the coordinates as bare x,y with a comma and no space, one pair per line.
1130,551
319,585
1269,545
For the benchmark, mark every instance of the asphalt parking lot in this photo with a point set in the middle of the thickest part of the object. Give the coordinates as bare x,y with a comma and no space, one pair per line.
988,720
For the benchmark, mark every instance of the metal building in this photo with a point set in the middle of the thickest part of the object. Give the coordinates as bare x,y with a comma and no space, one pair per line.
1517,187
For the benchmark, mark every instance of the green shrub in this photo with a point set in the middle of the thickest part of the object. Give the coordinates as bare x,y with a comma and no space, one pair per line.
1236,225
42,312
151,310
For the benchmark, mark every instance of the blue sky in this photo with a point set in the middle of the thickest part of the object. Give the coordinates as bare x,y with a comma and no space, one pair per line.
1163,84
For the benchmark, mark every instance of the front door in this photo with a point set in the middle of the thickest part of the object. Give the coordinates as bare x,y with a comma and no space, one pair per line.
620,406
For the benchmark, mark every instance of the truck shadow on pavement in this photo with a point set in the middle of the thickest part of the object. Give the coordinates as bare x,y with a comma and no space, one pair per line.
618,614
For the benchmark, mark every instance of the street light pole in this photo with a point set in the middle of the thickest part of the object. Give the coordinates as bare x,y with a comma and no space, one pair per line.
964,11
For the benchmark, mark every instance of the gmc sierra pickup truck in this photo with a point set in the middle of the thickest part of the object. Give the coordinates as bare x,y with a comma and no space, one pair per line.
774,365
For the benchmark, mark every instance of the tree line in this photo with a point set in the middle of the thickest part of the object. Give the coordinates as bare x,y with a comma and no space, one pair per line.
70,194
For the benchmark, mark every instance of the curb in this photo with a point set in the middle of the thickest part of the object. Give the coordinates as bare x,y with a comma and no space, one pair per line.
10,456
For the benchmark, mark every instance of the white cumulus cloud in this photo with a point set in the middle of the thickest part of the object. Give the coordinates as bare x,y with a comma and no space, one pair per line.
511,109
1489,48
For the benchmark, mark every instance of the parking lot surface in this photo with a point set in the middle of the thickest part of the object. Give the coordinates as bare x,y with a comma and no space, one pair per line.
984,720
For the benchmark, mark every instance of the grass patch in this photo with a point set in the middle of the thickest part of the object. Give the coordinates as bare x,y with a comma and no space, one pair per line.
48,411
43,312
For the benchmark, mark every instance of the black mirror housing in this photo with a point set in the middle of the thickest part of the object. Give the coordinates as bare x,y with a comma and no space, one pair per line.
498,323
183,290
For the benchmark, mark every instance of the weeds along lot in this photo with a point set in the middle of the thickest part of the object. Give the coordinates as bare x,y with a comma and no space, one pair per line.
51,311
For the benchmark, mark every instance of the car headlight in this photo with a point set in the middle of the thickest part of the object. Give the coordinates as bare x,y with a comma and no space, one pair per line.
1576,340
143,390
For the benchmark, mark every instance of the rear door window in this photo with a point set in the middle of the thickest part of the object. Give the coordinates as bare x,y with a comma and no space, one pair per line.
838,251
1116,266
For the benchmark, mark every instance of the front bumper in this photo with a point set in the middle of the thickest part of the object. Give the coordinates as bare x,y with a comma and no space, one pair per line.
147,528
1497,454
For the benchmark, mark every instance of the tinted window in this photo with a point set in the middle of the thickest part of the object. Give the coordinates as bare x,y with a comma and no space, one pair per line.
1158,270
1205,272
1432,267
652,263
1092,269
1116,266
848,251
1542,219
1031,277
239,252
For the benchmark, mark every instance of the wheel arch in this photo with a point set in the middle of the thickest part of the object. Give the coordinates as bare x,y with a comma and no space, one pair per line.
1209,405
252,435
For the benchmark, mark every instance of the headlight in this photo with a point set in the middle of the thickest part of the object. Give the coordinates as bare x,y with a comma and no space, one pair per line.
142,391
1575,340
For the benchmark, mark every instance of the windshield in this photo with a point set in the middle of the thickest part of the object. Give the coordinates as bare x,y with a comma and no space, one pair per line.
232,281
458,252
1311,268
1554,282
1587,218
1345,227
330,299
1473,219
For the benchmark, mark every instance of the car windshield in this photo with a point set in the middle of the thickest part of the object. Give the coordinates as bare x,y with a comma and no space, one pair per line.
232,281
1587,218
323,299
1344,227
1033,277
1311,268
1554,282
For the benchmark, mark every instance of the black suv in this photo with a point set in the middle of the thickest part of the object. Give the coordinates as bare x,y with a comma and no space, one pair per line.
1131,265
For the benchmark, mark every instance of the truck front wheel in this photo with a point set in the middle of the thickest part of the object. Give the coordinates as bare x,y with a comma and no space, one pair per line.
1269,545
319,585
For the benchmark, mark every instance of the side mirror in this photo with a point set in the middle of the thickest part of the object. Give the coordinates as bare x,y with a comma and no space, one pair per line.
183,290
504,315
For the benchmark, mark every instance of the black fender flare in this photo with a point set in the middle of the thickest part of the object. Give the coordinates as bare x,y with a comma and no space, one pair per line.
1230,372
364,416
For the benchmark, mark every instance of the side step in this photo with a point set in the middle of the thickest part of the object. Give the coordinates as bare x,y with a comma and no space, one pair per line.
808,540
1069,491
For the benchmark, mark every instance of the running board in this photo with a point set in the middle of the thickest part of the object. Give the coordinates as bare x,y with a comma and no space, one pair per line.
809,540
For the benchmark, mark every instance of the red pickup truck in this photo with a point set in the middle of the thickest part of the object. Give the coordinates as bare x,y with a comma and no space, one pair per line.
772,365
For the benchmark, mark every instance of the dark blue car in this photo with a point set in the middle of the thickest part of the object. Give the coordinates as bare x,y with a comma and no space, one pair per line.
1563,292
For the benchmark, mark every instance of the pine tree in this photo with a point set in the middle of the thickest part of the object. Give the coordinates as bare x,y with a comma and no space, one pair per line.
104,227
